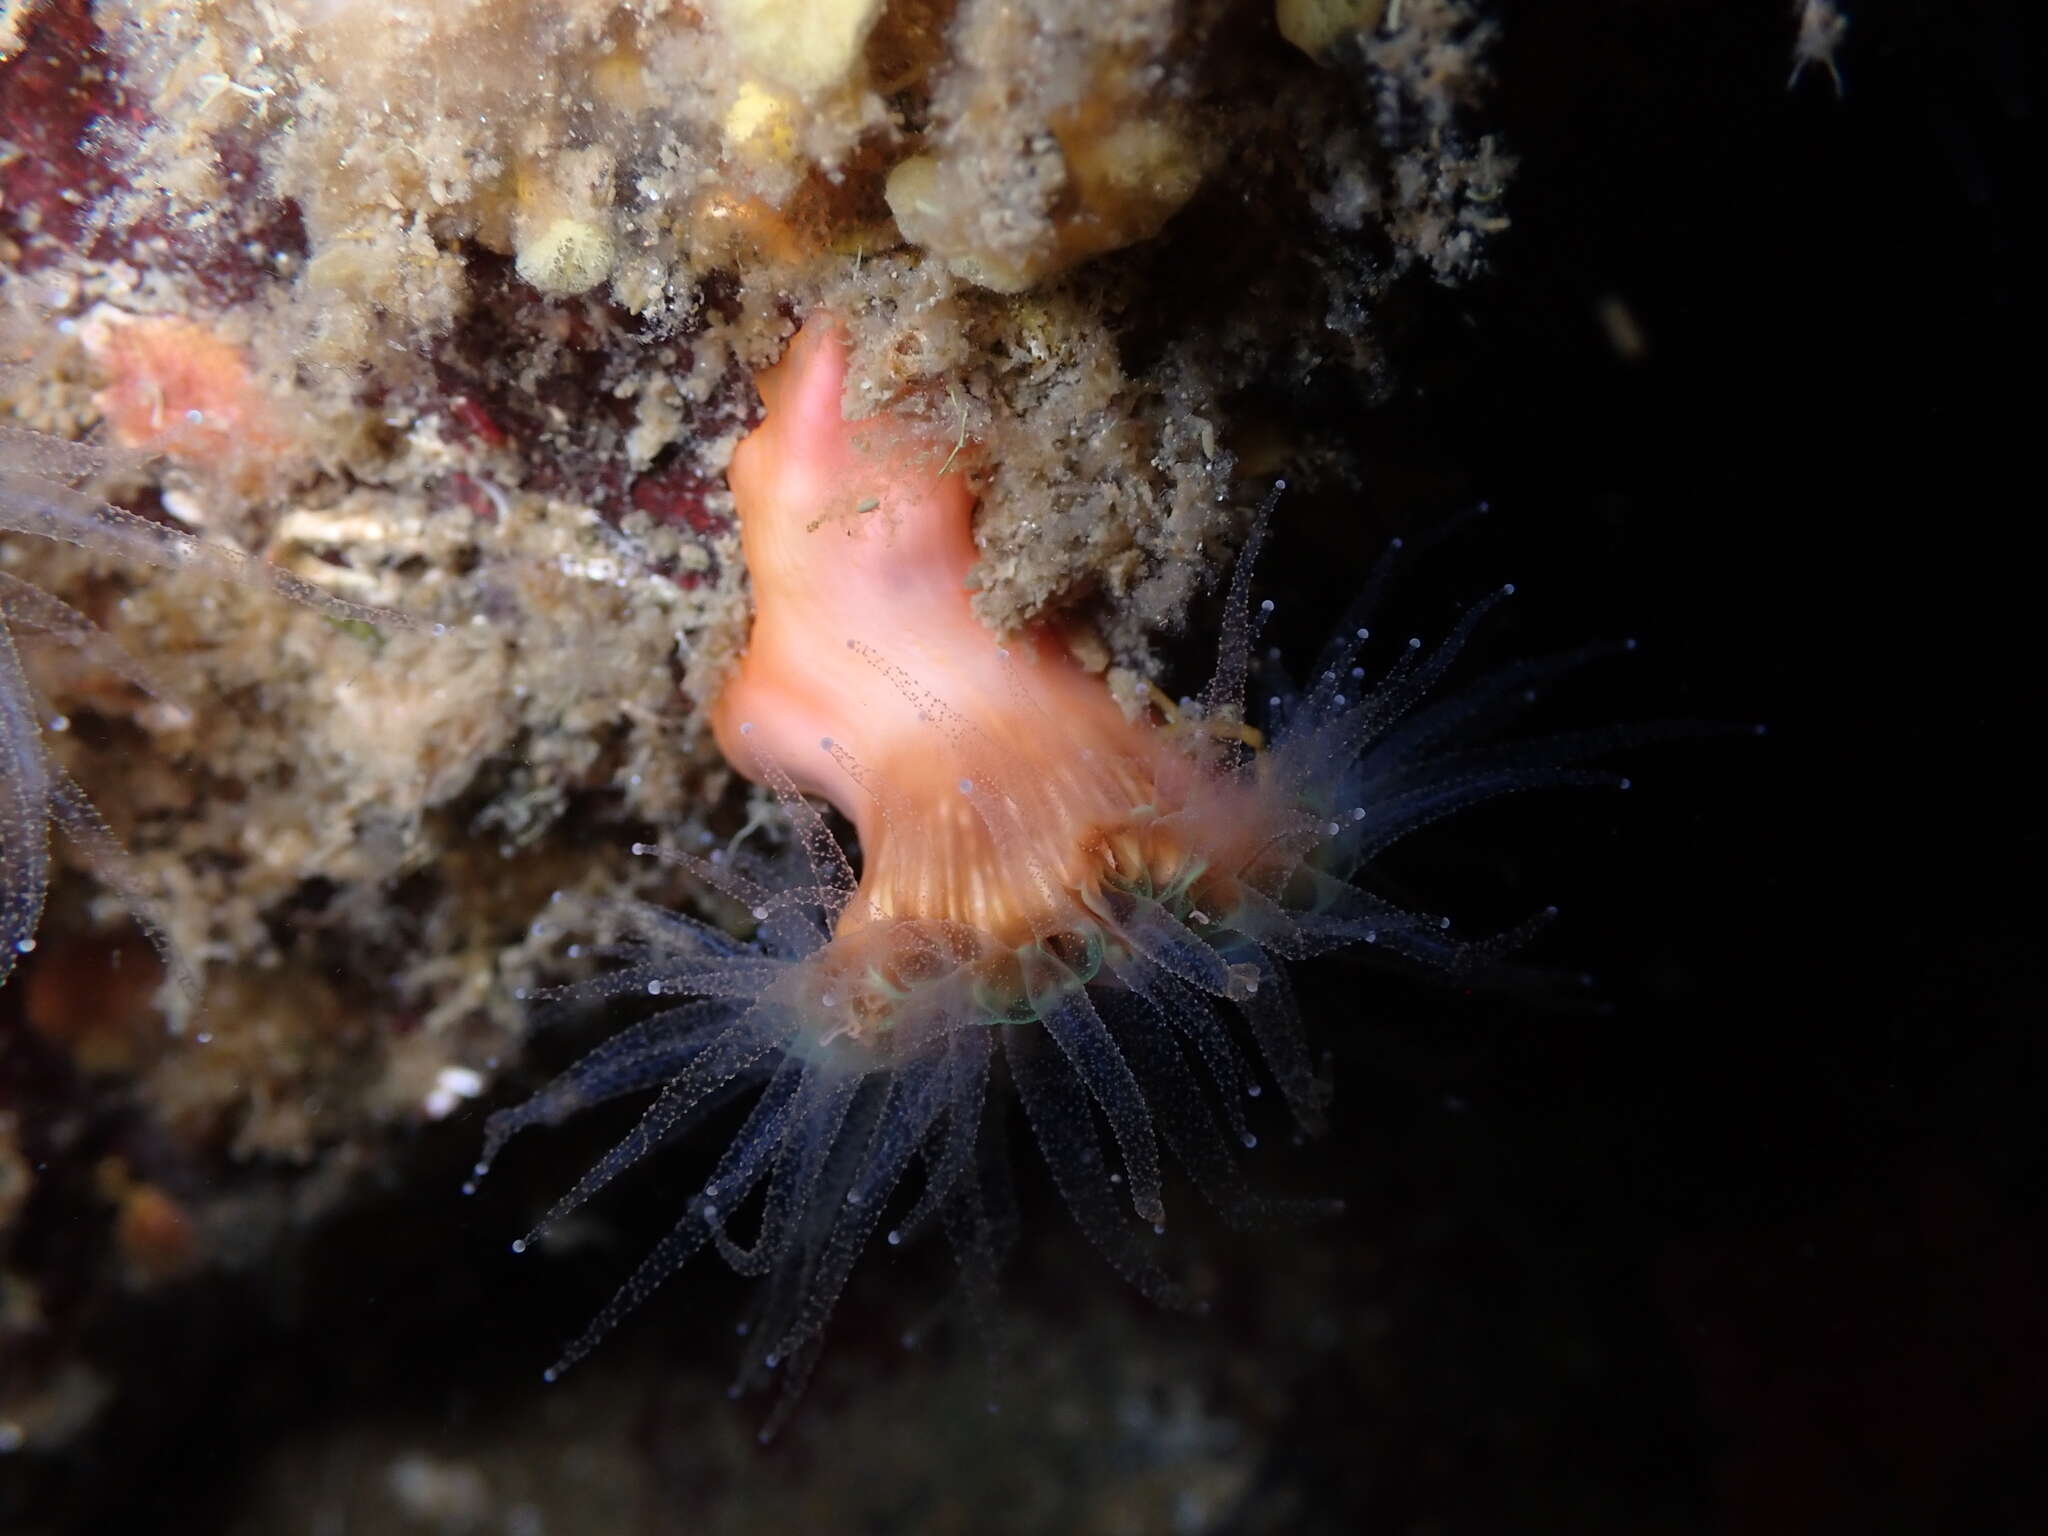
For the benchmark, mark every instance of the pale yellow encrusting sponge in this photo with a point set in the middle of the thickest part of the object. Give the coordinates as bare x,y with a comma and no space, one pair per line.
569,256
1314,25
805,46
561,230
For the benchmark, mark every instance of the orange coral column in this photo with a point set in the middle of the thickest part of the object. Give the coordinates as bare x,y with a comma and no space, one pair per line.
858,538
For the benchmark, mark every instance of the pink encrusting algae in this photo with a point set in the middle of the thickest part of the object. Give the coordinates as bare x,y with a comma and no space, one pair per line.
1108,899
176,388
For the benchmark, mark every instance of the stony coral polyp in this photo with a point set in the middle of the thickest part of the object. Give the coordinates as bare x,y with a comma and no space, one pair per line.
1108,903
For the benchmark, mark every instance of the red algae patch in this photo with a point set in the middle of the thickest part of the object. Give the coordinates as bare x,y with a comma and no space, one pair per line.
58,93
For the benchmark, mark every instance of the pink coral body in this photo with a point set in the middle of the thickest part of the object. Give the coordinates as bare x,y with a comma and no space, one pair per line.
990,784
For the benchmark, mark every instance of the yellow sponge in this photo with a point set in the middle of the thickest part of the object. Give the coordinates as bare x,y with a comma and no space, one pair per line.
1313,25
567,256
805,46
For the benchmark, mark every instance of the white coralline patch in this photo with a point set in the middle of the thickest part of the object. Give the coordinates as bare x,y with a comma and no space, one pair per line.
453,1087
